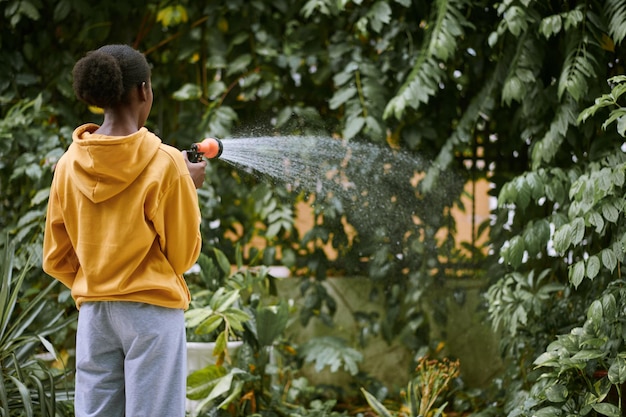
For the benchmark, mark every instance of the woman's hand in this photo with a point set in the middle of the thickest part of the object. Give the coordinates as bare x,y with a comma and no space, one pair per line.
196,170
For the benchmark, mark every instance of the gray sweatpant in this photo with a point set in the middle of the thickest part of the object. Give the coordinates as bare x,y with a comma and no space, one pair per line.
130,360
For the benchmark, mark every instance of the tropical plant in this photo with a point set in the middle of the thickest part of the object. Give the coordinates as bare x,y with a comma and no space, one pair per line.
214,314
28,386
431,379
580,369
588,238
261,376
29,147
361,71
228,306
490,89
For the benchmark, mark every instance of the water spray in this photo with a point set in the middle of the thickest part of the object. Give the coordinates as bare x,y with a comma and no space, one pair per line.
367,179
209,148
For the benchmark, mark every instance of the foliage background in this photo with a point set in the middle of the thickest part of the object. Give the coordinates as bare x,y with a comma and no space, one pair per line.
485,89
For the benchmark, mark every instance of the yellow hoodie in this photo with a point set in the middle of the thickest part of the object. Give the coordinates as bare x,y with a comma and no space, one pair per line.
123,220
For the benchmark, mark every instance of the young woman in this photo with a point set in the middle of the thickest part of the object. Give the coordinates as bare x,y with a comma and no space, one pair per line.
123,225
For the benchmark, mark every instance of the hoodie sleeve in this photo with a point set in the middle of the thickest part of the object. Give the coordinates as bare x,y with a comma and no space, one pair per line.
59,258
177,222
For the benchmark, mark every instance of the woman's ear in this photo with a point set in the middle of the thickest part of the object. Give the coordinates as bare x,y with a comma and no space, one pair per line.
142,91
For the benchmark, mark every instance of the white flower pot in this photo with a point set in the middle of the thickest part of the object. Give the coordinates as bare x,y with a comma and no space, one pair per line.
200,355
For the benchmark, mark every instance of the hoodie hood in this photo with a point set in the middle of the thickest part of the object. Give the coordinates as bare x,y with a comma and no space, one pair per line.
103,166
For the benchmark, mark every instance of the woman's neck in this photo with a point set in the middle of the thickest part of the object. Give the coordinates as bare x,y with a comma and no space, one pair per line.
118,123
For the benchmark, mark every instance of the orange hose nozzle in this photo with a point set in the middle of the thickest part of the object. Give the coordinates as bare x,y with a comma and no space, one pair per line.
210,148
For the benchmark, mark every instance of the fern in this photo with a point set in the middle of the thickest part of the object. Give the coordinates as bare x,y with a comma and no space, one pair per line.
546,148
332,352
482,104
524,70
360,92
440,44
447,29
615,11
579,66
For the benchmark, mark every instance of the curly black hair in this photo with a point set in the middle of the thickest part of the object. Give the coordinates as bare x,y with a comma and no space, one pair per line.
104,77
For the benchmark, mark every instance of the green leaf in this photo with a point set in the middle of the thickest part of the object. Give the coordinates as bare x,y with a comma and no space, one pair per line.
513,90
341,96
223,386
595,312
553,138
222,261
579,65
609,306
379,15
609,260
577,273
557,393
239,64
237,315
311,5
524,192
588,354
273,230
188,92
549,358
617,371
593,266
550,25
24,392
221,343
172,15
271,321
209,325
234,393
577,231
216,89
610,212
222,300
376,405
353,127
550,411
29,9
333,352
562,238
194,317
201,382
283,116
515,251
596,220
606,409
62,10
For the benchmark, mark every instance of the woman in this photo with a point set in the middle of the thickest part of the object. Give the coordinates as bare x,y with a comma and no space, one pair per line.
123,225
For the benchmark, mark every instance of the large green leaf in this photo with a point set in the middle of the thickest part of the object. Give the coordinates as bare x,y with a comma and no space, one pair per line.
271,322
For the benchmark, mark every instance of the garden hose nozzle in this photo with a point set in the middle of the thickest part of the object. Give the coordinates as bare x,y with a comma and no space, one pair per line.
210,148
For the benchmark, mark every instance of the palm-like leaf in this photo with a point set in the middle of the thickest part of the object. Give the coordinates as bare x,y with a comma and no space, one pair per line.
376,405
615,11
441,43
481,104
26,385
547,147
580,65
